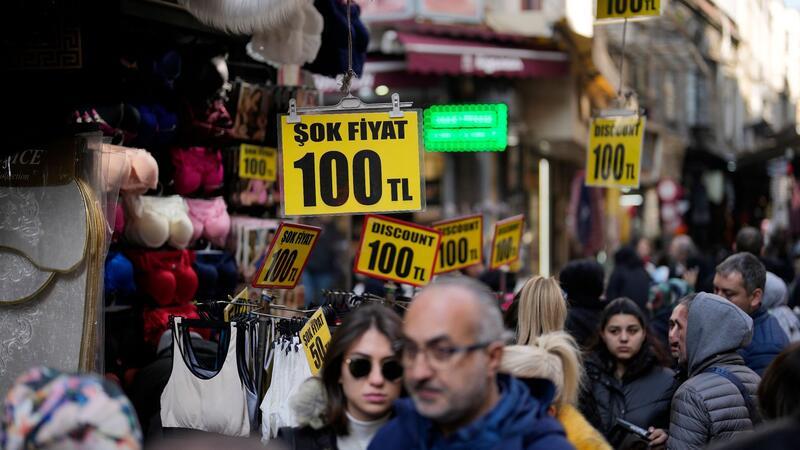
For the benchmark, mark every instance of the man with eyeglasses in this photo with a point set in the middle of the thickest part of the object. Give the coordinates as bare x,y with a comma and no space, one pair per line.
453,347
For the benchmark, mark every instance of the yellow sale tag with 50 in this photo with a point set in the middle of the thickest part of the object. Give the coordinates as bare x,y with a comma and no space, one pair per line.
395,250
315,336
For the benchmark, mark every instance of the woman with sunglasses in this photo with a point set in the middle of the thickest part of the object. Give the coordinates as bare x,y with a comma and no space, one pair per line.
359,381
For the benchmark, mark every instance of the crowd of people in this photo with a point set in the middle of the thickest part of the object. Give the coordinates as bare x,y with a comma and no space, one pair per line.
566,366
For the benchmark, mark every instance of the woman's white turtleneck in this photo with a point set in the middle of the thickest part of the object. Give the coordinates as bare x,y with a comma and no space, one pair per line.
361,433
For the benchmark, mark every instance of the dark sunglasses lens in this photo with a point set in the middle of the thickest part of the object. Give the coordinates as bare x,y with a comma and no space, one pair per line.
359,368
392,370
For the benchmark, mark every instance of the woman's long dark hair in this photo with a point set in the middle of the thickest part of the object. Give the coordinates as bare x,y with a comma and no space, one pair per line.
358,322
651,354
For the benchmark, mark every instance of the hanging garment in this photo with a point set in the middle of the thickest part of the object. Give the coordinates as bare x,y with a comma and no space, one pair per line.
167,276
195,168
119,282
217,274
199,399
243,16
289,370
131,170
297,42
332,57
156,321
155,221
210,219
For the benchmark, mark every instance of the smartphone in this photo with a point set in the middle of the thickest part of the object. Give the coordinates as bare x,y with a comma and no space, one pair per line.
634,429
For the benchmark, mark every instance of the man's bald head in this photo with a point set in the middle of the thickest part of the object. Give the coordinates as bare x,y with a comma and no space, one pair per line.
465,298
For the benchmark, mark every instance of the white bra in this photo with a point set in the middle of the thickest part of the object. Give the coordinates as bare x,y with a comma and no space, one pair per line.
215,403
154,221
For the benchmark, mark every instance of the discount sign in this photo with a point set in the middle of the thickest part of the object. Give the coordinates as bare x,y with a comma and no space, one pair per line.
354,162
398,251
614,156
506,242
315,336
462,243
260,163
625,9
287,256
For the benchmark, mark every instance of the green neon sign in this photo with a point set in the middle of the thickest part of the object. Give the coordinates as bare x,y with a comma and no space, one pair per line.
466,128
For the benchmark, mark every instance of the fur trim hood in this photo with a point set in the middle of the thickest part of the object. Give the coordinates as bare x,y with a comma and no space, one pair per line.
309,403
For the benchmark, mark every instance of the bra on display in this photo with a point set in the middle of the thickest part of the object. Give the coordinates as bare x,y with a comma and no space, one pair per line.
210,219
195,168
167,276
155,221
136,171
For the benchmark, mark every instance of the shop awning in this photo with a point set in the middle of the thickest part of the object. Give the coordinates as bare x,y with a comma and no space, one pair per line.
446,56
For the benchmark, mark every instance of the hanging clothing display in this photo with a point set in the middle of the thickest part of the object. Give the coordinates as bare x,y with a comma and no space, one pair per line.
200,399
289,370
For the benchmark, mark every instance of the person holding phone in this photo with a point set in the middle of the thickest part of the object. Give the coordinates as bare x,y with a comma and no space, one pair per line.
627,379
359,381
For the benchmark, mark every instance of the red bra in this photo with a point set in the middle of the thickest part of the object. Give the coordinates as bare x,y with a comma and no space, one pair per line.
167,276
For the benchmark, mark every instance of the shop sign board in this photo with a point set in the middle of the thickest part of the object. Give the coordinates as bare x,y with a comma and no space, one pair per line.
462,243
614,155
627,9
258,163
287,256
507,241
351,163
459,128
315,336
399,251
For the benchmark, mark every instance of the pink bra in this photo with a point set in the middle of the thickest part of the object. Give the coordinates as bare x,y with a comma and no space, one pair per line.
210,219
134,170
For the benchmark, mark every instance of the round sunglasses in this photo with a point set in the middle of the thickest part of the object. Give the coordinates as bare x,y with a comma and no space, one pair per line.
391,369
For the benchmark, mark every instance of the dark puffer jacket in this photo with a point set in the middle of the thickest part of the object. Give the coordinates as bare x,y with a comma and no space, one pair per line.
708,408
768,341
642,397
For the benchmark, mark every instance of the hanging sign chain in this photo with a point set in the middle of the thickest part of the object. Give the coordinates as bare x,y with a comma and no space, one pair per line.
348,77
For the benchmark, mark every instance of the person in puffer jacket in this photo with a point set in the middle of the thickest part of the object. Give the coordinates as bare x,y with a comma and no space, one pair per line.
709,407
775,299
741,279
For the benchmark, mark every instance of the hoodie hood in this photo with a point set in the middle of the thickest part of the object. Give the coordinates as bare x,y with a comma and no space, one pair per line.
516,414
715,326
774,292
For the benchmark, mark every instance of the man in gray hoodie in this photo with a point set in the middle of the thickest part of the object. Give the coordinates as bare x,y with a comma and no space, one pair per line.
718,400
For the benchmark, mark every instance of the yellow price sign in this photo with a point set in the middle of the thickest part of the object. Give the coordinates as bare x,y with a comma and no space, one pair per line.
315,336
395,250
351,163
259,163
626,9
287,256
462,243
614,155
506,241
